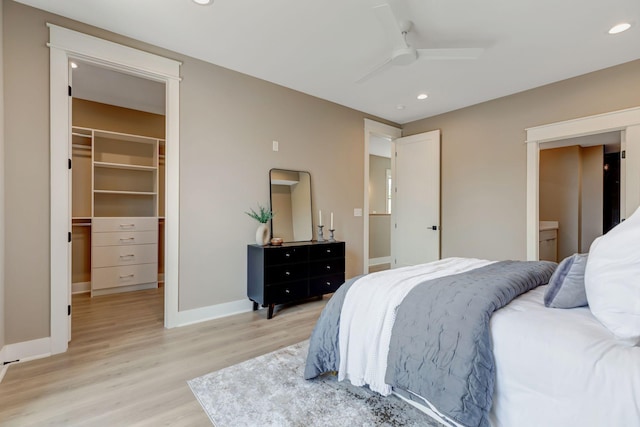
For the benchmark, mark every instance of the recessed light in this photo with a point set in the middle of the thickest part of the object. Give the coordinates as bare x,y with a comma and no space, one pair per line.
203,2
619,28
74,65
423,96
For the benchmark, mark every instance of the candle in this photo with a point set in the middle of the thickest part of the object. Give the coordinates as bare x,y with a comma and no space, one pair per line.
331,228
320,218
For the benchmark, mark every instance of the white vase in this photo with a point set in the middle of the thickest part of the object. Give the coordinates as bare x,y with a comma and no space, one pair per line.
262,234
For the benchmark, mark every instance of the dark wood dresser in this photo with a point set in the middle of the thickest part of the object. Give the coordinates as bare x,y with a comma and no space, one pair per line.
293,271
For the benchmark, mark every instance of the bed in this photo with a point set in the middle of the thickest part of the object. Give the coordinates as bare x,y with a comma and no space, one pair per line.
577,366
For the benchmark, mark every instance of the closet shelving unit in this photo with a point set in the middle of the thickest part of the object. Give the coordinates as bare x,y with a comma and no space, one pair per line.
119,204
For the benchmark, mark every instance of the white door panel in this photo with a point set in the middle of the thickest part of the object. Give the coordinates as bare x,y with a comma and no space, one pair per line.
416,200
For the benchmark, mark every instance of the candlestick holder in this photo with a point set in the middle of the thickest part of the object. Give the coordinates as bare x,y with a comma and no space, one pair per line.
320,235
331,238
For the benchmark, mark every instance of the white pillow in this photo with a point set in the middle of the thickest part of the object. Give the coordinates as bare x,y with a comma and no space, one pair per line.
612,279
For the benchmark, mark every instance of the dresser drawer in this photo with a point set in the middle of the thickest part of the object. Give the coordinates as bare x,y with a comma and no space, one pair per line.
327,250
285,255
285,273
326,284
100,225
330,266
110,256
124,238
286,292
111,277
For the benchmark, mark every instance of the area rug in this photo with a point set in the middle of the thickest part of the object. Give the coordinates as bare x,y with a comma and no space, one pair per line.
270,391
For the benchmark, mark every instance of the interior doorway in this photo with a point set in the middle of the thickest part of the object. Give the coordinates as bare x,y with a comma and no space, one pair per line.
380,206
627,122
373,131
572,193
65,45
118,162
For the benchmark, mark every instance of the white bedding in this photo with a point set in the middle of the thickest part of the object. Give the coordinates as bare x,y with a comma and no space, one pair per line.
561,368
368,315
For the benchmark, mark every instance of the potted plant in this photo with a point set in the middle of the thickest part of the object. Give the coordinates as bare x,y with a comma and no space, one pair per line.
263,215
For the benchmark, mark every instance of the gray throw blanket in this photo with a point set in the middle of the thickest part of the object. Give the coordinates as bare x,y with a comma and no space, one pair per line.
441,345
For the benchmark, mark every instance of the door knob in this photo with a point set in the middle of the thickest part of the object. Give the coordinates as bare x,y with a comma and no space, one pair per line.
434,227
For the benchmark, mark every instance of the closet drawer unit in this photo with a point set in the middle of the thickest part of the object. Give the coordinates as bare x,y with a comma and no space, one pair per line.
124,238
113,277
111,256
102,225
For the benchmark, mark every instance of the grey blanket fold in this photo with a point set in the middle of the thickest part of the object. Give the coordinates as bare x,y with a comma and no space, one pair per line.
440,347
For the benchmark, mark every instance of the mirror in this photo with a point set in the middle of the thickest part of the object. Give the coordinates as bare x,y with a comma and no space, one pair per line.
291,205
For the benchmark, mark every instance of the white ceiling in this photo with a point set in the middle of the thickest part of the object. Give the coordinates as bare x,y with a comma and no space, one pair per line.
323,47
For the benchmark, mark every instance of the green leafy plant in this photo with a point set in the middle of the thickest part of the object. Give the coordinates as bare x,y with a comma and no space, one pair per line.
263,215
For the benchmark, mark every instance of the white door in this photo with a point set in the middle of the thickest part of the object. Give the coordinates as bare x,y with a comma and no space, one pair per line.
415,222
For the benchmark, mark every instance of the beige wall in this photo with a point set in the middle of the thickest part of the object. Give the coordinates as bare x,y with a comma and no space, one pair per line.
227,123
117,119
379,235
484,156
2,160
591,205
378,183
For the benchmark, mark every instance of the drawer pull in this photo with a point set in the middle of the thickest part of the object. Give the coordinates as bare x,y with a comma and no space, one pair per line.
328,283
328,251
287,273
287,291
128,239
287,255
127,256
127,225
328,267
128,276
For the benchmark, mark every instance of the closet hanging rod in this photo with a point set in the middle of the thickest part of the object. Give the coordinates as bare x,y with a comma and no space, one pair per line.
83,147
80,134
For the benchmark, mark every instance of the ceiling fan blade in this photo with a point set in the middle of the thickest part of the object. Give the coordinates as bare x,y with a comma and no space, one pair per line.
462,53
377,69
389,24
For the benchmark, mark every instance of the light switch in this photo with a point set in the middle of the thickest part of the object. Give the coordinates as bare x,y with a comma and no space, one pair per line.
357,212
275,145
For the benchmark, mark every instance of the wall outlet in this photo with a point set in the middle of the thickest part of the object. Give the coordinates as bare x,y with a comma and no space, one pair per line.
357,212
275,145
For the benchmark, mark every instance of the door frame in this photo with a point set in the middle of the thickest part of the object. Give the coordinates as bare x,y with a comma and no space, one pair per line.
627,121
64,45
372,127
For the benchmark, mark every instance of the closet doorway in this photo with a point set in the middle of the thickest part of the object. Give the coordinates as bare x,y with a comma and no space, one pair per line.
64,46
117,184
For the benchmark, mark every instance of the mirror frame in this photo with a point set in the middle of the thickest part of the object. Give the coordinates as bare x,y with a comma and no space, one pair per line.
310,202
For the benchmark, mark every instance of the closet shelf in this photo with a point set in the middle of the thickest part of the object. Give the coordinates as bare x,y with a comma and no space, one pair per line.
124,166
139,193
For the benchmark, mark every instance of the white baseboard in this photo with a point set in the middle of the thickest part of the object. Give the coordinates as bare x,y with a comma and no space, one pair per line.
197,315
378,261
80,287
24,351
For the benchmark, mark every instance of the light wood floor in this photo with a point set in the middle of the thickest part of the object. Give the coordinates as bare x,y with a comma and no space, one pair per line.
123,368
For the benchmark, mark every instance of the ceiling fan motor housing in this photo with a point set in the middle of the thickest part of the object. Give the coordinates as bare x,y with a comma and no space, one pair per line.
404,55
